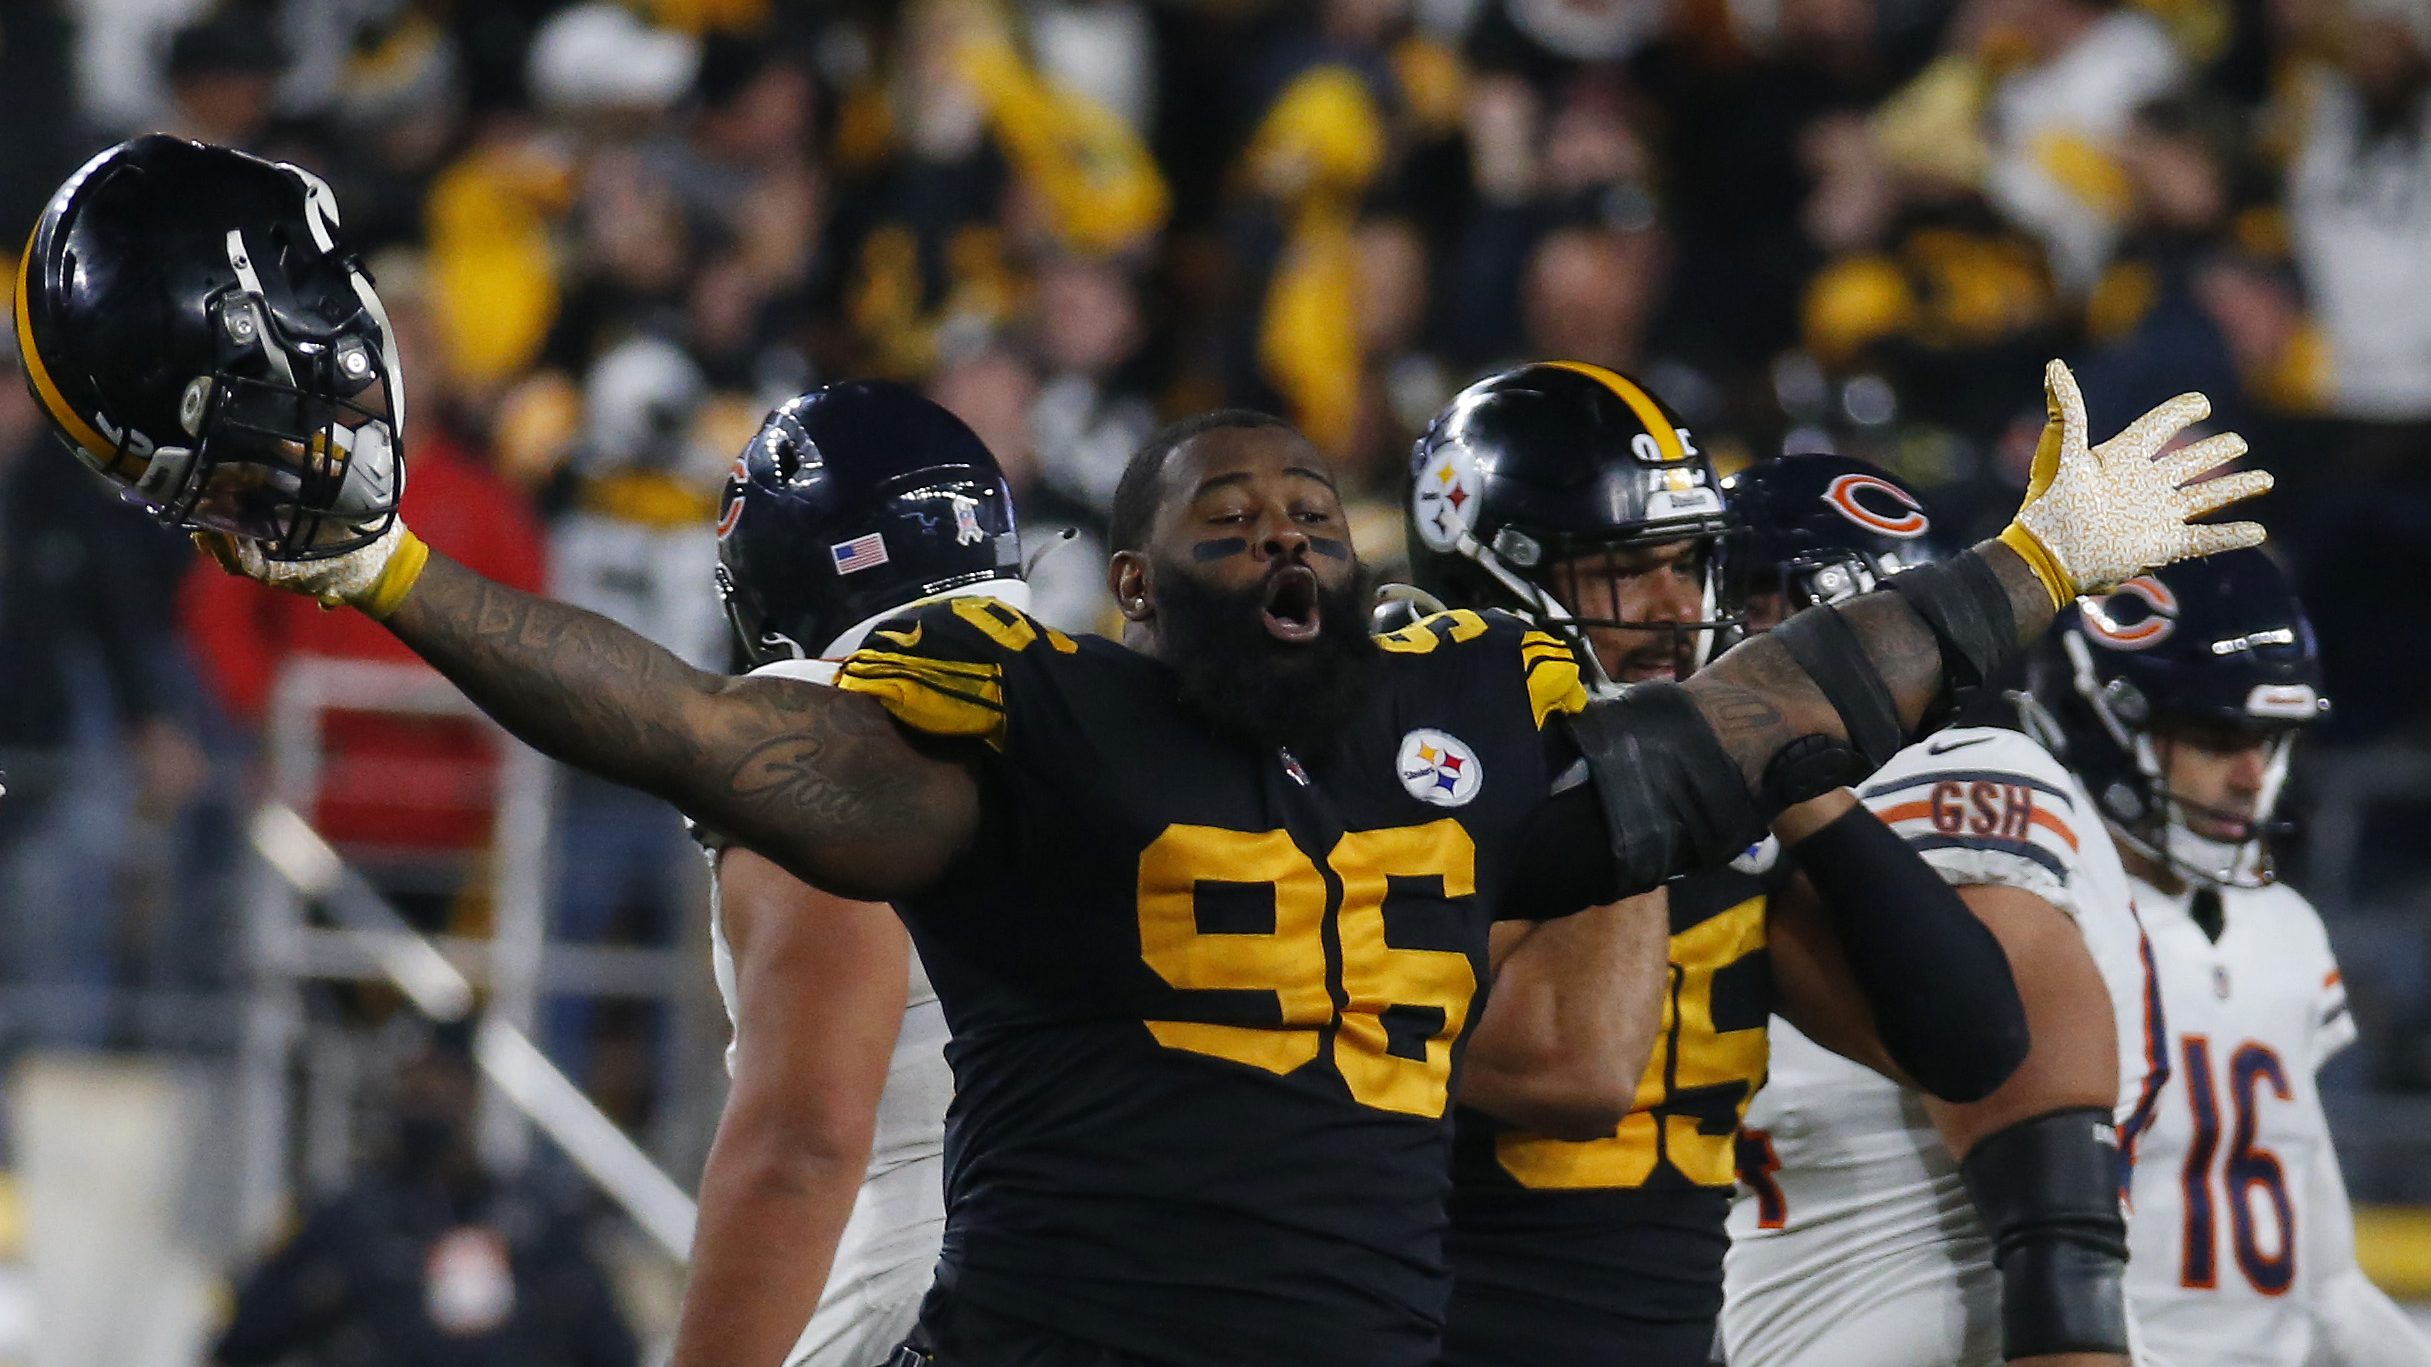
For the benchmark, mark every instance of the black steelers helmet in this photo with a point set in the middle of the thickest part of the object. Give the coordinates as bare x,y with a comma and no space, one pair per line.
1550,462
1818,529
849,503
2222,643
193,329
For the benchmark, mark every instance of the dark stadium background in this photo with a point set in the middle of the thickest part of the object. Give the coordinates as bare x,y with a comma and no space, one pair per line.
614,234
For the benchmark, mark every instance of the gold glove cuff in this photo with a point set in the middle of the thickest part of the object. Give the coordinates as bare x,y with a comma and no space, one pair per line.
2039,559
397,576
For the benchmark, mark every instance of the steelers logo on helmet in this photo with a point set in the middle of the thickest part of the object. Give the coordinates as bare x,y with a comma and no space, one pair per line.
1877,505
1538,490
1446,496
1439,768
2138,615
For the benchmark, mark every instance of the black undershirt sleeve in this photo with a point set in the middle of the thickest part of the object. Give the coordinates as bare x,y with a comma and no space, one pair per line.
1944,1002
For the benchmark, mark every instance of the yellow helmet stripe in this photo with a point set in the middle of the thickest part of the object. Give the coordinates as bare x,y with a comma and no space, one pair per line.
61,412
1650,413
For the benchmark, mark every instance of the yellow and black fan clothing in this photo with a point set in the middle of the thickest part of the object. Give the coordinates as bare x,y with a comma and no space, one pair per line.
1208,1000
1610,1250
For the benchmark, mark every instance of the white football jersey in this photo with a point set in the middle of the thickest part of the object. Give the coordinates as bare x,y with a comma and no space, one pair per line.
2230,1170
888,1253
1853,1243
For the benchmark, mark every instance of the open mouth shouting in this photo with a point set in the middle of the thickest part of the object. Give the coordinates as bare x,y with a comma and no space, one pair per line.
1291,612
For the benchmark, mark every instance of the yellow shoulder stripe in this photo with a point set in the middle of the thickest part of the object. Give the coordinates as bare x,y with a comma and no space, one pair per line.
937,698
1554,684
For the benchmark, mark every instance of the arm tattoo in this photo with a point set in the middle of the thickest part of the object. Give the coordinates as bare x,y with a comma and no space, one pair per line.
819,780
1758,700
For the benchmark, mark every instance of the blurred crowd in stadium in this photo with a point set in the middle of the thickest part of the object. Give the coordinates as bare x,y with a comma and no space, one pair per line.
614,233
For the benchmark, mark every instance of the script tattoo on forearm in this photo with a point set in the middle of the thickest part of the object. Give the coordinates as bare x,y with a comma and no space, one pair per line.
1758,700
829,758
572,683
819,780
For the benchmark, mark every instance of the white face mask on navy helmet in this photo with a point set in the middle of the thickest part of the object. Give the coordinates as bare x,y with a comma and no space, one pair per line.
192,328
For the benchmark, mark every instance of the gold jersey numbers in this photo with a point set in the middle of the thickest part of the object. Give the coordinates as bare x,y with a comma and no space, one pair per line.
1249,911
1695,1088
1551,670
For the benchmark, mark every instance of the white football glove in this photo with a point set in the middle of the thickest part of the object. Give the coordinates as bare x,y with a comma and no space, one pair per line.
2094,518
374,578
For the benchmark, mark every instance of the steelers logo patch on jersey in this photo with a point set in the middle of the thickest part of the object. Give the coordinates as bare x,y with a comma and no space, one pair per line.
1439,768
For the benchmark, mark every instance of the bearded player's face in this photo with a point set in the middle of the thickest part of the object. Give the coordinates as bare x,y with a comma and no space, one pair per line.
1254,592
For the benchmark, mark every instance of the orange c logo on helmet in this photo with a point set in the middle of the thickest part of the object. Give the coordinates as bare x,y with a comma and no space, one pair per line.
1842,495
2161,615
733,511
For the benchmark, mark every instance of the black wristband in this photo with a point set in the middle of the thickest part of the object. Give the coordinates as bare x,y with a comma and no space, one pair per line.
1673,798
1836,662
1963,604
2048,1191
1934,977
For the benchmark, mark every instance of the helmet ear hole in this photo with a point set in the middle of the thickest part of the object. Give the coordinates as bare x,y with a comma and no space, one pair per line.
2127,702
1518,547
194,404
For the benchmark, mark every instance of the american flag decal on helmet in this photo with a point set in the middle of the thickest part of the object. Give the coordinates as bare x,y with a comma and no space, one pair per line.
860,553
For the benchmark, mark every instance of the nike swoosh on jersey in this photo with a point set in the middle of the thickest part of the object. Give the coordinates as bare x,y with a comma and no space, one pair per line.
906,639
1943,748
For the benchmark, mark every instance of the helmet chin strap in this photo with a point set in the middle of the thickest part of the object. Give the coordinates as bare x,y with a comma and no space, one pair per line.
2222,863
1544,609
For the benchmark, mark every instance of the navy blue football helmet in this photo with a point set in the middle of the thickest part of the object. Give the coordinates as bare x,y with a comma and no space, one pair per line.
850,502
1819,529
2220,643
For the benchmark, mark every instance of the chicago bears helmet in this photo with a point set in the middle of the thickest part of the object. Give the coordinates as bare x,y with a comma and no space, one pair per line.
1818,529
2219,643
1547,463
193,329
850,502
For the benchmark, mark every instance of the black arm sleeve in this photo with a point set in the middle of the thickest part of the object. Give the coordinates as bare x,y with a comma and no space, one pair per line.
1673,800
1568,866
1936,980
2048,1190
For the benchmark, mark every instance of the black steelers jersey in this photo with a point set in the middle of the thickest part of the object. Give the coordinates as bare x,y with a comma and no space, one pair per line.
1610,1250
1207,1000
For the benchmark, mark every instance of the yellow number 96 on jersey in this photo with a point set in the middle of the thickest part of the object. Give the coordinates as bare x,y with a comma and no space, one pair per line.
1182,867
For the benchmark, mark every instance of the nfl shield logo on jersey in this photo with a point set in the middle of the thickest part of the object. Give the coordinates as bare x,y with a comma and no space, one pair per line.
1439,768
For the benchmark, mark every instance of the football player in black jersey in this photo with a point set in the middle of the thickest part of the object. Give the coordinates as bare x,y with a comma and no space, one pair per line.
1208,907
1571,494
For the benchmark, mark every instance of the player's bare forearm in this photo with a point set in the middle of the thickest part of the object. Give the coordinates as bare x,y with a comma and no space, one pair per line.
793,1145
1572,1018
768,1230
819,780
2073,1062
1758,700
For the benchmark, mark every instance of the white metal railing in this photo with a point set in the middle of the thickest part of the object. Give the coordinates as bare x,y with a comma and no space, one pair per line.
368,940
505,1053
